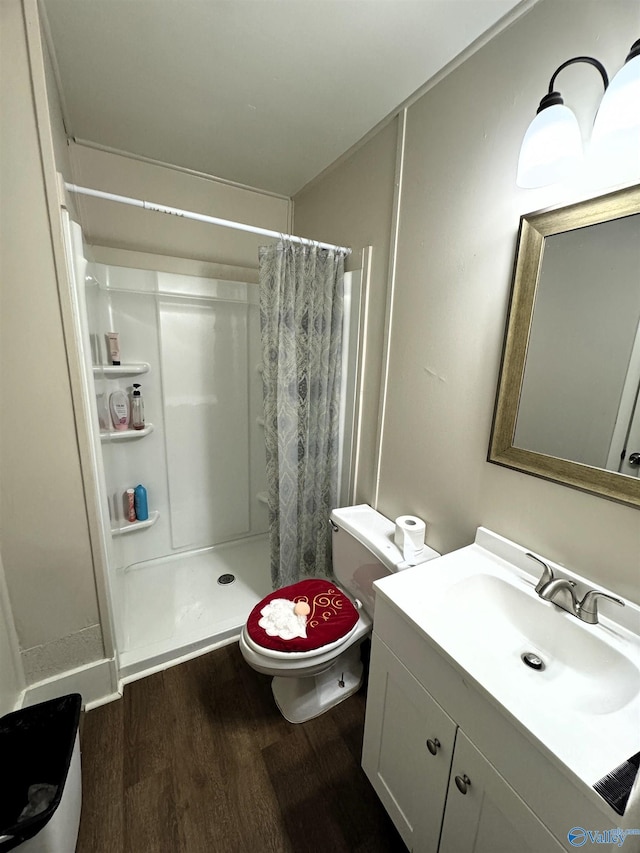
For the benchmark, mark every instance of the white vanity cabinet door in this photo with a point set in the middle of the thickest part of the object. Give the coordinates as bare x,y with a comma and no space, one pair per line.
490,817
410,781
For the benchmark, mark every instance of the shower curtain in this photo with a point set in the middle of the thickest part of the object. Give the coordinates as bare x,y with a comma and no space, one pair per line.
301,311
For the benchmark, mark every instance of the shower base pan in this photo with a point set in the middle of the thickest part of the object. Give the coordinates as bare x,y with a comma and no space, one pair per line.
185,605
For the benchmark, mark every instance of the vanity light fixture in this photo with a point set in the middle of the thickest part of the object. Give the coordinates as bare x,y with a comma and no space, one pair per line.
552,146
617,124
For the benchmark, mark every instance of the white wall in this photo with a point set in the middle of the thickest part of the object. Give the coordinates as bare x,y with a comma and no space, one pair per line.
458,227
46,551
204,462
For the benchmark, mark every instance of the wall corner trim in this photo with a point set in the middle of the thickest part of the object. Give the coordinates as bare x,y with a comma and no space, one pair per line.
391,282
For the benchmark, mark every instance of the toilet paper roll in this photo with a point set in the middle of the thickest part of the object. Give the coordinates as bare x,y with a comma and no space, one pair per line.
409,537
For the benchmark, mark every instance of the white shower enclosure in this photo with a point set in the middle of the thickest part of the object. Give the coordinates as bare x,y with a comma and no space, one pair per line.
184,580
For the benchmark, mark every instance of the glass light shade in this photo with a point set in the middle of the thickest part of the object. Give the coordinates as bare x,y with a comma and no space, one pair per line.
616,130
551,148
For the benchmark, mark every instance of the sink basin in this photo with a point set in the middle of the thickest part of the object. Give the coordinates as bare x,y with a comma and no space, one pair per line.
479,607
582,669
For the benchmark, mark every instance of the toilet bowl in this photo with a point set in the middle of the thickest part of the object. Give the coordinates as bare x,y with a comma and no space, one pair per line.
321,665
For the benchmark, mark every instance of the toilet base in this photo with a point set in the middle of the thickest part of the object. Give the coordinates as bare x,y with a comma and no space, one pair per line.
302,699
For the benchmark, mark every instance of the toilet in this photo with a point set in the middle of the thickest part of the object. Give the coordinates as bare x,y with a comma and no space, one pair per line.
312,649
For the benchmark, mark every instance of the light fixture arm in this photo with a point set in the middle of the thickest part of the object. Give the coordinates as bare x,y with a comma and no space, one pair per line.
553,97
635,51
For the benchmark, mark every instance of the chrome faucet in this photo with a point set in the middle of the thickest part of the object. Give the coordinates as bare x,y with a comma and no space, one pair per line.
561,591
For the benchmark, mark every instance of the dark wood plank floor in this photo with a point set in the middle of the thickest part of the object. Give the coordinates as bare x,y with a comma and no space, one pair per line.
198,759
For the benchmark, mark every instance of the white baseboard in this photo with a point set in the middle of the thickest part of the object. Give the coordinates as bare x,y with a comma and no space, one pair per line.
96,682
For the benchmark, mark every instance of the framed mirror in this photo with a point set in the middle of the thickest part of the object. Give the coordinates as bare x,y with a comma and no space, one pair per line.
568,400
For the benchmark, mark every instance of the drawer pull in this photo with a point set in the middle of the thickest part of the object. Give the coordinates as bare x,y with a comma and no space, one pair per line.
433,745
463,783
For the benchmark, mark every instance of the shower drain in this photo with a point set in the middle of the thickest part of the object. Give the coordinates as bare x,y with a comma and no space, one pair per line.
225,579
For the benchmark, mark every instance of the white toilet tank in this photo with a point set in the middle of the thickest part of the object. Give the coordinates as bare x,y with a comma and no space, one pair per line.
363,551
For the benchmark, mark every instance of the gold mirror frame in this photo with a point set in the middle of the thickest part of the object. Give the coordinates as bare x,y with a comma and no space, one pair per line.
534,229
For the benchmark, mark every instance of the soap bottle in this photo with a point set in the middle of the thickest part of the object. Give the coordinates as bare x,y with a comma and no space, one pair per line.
137,408
119,406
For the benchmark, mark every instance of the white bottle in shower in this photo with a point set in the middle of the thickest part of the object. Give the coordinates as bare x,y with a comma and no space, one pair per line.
119,406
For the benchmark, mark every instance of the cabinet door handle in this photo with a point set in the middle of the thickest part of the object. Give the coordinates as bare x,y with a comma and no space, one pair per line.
433,745
463,783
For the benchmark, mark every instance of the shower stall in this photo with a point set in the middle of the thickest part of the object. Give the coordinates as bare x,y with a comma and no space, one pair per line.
184,580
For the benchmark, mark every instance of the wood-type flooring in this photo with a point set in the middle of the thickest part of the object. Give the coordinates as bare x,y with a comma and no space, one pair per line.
198,759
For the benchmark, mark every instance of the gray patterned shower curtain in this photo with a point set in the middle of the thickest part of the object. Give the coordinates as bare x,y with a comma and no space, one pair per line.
301,311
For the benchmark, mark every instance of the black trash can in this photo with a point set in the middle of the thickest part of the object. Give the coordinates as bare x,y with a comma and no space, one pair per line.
40,783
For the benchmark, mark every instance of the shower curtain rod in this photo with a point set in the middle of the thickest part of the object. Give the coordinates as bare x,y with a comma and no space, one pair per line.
201,217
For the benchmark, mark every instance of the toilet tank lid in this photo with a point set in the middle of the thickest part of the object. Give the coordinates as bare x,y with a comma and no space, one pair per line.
373,530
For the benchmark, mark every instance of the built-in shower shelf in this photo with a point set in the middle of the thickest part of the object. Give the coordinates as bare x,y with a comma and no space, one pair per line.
125,434
263,497
114,371
132,526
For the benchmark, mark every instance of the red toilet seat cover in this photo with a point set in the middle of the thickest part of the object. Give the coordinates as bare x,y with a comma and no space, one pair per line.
331,616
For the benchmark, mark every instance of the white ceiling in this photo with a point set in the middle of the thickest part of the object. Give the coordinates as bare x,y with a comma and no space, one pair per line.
267,93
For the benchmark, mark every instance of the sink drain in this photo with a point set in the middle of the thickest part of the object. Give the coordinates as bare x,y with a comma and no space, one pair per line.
531,659
225,579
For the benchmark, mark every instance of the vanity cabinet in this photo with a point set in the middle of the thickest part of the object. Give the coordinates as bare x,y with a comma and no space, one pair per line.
442,794
408,749
484,814
521,749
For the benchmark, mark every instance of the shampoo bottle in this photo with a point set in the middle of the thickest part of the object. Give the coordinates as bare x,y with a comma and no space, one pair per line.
119,406
137,408
140,501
